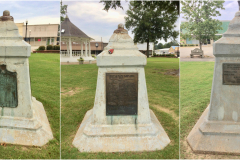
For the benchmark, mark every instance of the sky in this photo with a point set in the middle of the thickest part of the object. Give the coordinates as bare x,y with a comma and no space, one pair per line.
36,12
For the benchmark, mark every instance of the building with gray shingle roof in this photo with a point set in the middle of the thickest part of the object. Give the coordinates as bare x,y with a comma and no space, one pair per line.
72,34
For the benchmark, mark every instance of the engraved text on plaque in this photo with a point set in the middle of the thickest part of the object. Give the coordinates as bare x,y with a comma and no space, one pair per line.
121,93
8,88
231,73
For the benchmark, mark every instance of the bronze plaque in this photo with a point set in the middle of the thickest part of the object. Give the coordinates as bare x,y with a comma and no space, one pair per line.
231,73
121,93
8,88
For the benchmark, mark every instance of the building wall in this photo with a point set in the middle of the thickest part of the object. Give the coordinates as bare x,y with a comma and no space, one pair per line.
39,35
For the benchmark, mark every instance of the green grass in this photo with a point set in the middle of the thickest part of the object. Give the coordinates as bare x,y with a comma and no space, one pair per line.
78,93
45,83
195,93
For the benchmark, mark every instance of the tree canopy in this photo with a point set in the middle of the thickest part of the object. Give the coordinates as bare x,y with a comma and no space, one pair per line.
63,11
200,23
151,20
117,3
166,45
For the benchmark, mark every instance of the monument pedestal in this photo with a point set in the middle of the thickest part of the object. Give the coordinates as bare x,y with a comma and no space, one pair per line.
218,129
120,119
23,120
214,137
34,131
120,138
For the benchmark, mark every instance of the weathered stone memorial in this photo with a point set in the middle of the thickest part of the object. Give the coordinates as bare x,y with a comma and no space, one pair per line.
218,129
23,120
120,119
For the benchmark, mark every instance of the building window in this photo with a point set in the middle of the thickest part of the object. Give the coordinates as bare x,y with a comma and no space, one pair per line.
38,39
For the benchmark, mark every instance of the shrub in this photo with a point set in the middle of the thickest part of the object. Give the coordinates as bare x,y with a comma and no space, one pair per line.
41,48
154,54
49,47
80,59
56,47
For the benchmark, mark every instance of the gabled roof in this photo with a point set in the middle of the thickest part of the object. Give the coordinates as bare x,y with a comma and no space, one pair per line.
70,30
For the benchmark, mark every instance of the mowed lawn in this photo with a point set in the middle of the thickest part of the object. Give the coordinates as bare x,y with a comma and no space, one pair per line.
78,84
45,86
195,93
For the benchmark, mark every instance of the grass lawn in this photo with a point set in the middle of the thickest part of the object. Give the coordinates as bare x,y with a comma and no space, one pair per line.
45,83
78,84
195,91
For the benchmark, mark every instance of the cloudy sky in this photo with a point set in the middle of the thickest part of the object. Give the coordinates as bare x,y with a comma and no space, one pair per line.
37,12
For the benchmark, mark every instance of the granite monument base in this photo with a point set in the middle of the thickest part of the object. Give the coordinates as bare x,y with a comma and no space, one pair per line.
120,138
215,136
24,131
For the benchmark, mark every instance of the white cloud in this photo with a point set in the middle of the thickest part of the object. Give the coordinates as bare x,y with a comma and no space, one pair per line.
93,11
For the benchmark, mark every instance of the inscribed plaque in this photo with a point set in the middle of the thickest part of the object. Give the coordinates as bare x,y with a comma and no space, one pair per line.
231,73
121,93
8,88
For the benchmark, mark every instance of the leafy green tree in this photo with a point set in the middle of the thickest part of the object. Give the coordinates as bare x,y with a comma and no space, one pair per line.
199,15
169,44
151,20
63,11
111,4
117,3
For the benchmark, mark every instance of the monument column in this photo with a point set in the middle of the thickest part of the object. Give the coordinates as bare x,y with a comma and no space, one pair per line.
218,129
70,47
89,49
23,120
68,53
81,48
85,48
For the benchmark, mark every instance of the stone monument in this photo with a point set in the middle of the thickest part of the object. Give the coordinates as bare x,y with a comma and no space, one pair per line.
120,119
23,120
218,129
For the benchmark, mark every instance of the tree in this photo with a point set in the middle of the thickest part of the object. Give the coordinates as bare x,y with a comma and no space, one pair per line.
117,3
201,24
151,20
111,4
63,11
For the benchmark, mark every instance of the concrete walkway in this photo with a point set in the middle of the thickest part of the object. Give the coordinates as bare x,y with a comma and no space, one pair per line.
186,51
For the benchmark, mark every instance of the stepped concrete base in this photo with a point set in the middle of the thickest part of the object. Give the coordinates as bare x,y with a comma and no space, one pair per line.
120,138
215,136
22,131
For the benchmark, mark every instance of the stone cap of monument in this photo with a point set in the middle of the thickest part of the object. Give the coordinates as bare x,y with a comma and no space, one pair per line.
70,30
229,44
11,42
125,52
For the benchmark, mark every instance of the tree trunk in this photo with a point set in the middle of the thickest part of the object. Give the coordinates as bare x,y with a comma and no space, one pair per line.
200,44
147,48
